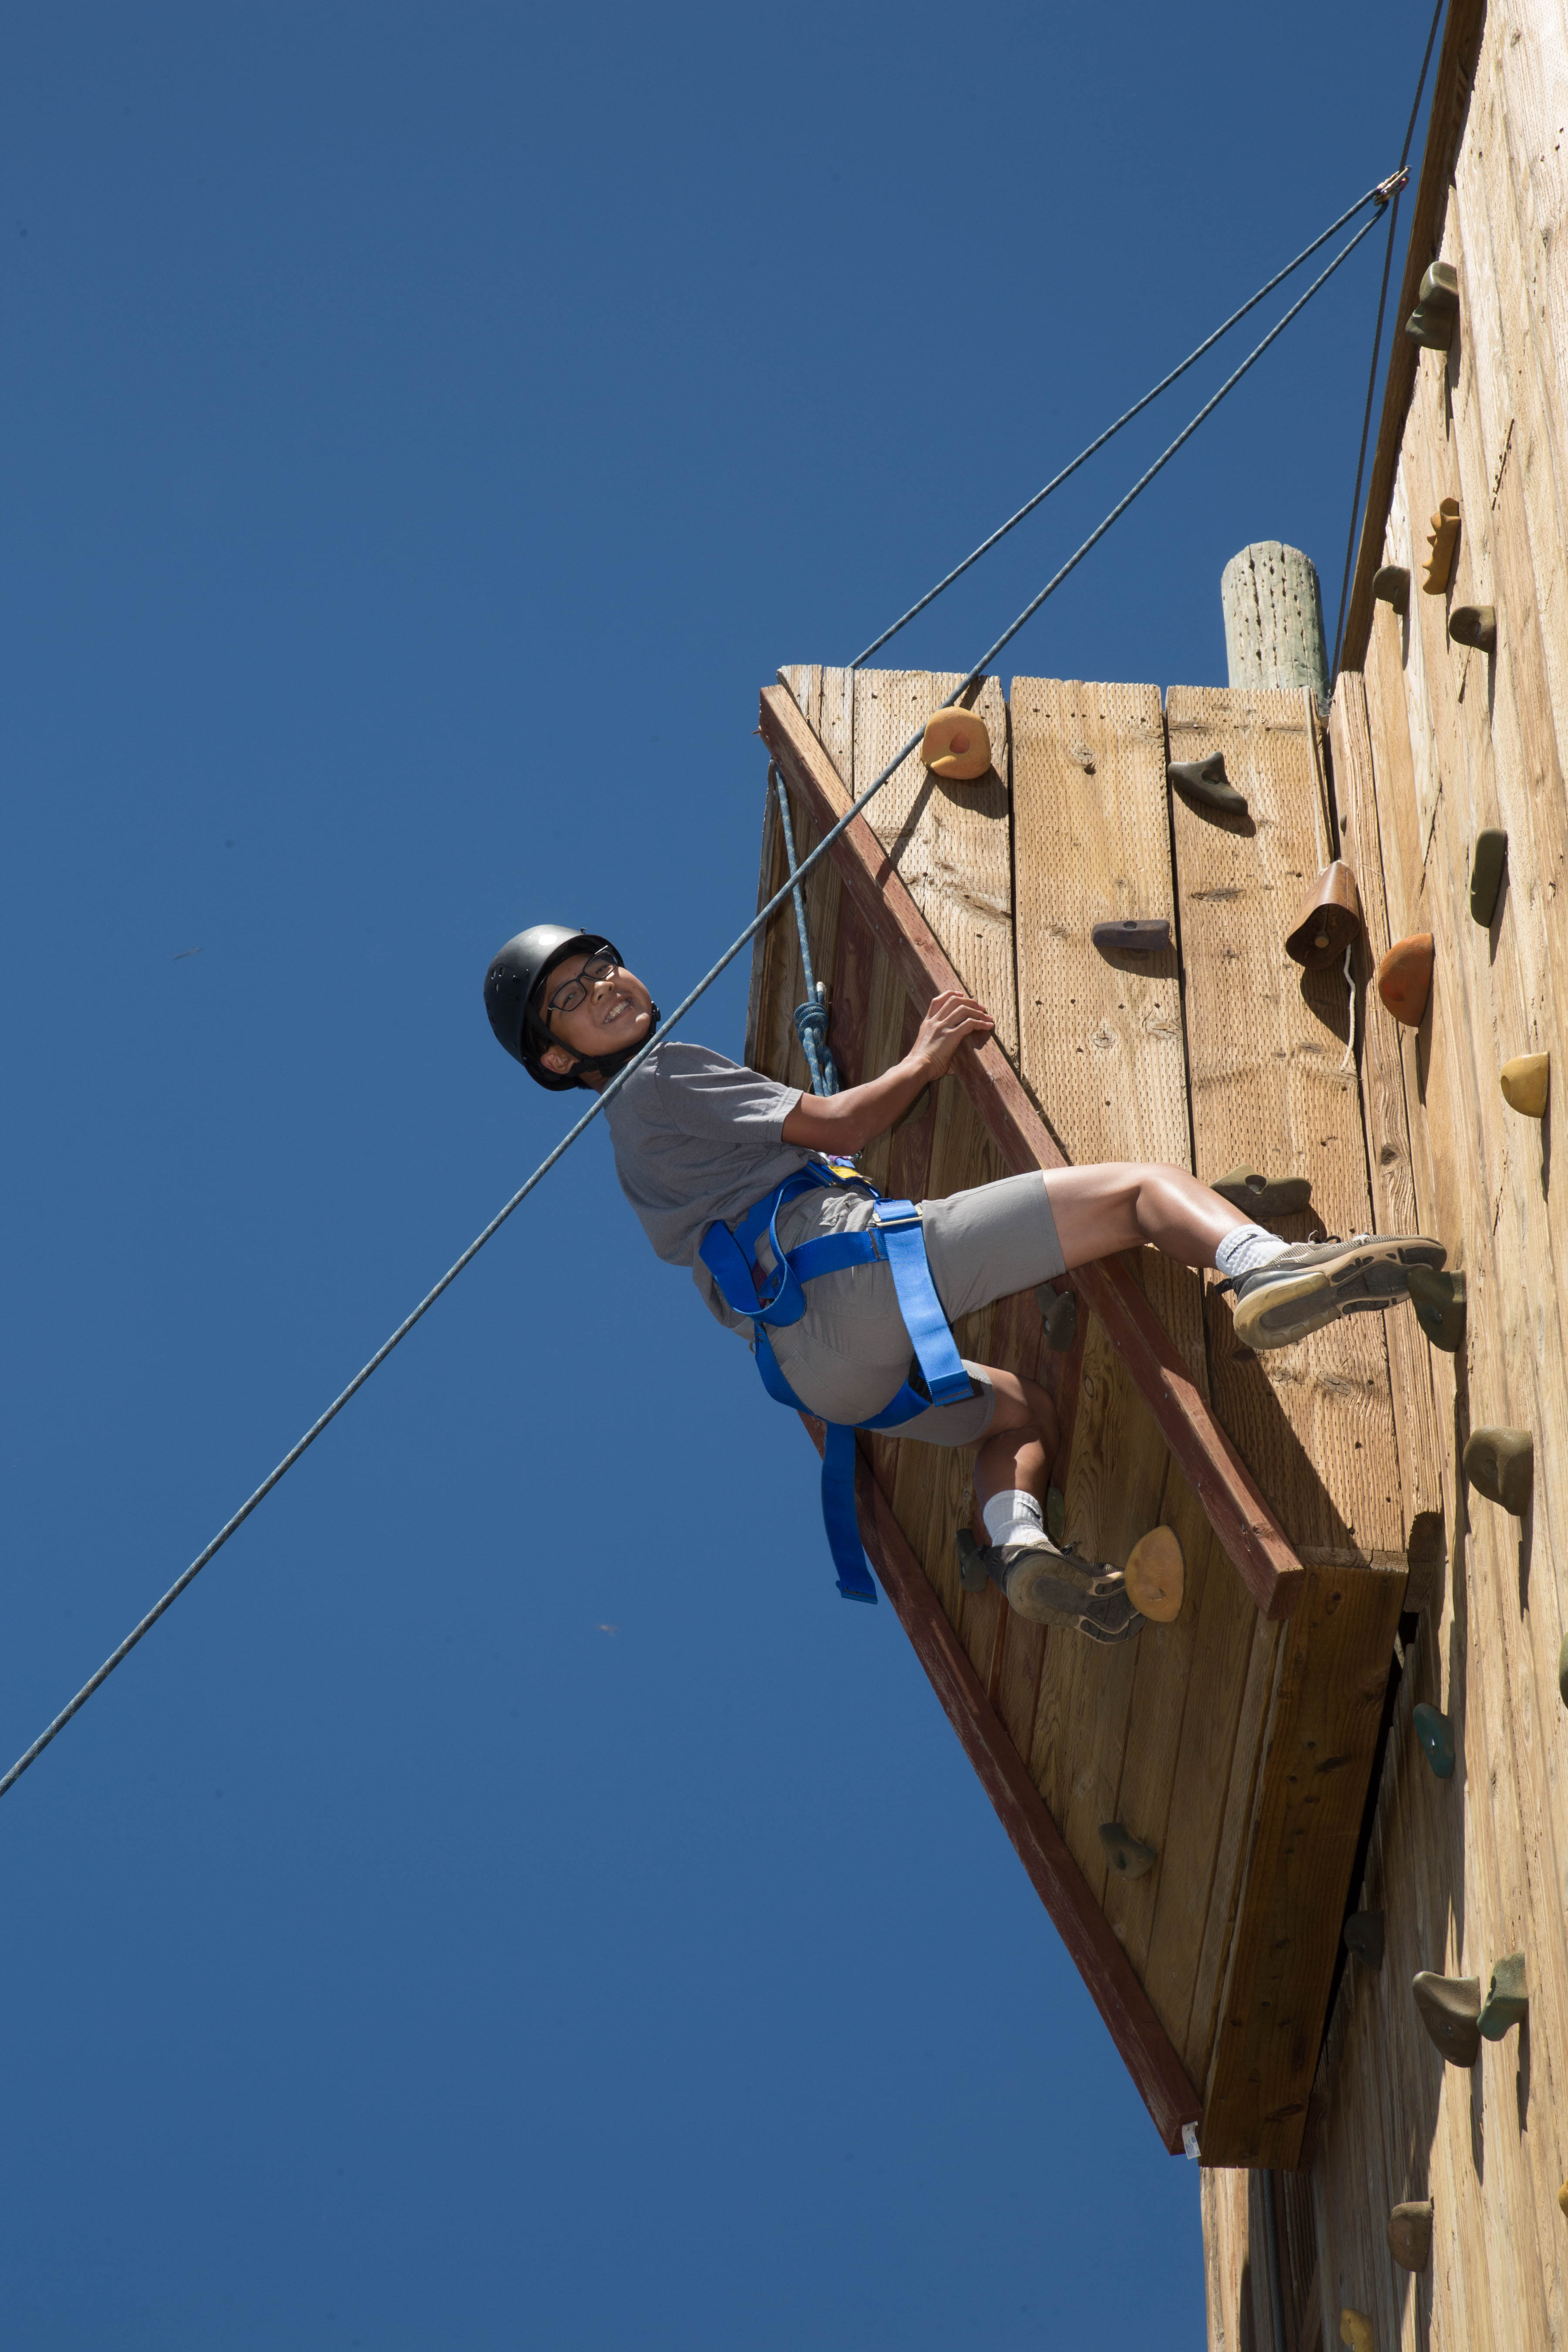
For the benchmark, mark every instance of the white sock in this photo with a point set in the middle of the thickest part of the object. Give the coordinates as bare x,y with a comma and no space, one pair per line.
1013,1515
1247,1250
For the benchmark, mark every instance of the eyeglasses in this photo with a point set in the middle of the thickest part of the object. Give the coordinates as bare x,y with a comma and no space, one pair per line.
574,991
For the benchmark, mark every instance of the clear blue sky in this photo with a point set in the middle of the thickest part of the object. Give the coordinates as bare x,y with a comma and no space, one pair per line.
512,1901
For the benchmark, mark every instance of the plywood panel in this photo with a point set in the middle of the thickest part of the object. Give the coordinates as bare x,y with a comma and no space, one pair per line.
1272,1088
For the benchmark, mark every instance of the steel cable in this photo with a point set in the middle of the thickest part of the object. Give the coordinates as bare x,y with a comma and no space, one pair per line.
602,1101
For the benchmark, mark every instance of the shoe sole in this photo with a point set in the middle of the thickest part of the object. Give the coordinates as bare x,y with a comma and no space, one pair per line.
1367,1279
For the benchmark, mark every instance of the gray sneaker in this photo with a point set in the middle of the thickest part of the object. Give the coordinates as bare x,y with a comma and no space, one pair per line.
1315,1283
1048,1586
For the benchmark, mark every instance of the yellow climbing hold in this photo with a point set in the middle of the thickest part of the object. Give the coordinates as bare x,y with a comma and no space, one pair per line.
1155,1576
957,746
1355,2329
1525,1082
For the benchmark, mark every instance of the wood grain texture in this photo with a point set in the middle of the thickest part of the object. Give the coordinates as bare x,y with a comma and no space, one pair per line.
1221,1481
1272,1089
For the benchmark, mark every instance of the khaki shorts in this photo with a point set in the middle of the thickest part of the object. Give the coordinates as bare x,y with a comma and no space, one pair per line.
849,1354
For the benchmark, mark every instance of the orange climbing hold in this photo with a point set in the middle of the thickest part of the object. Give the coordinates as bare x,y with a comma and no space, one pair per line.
1404,978
1155,1576
956,746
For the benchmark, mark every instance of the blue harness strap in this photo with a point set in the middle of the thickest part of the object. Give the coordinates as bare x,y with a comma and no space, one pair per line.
894,1235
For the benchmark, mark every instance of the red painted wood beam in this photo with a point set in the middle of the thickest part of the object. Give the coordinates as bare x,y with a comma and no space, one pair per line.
1221,1481
1146,2049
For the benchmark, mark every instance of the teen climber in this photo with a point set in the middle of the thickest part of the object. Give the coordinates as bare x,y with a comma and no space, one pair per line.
722,1164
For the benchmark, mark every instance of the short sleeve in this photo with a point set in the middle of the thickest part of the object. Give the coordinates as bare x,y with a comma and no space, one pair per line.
703,1093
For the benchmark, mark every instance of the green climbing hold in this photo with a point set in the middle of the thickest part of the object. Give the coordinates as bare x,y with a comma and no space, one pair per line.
1125,1853
1391,585
1436,1733
1485,874
1500,1464
1507,2003
1439,1303
1363,1937
972,1572
1055,1515
1058,1314
1563,1671
1431,323
1450,2008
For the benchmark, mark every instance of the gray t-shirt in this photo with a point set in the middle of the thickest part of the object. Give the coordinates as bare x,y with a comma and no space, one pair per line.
697,1137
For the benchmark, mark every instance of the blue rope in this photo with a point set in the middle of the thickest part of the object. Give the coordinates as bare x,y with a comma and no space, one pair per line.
602,1101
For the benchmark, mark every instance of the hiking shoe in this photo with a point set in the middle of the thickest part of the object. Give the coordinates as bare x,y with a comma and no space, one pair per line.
1315,1283
1048,1586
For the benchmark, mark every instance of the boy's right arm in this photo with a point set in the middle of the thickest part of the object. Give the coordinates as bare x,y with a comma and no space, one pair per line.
847,1122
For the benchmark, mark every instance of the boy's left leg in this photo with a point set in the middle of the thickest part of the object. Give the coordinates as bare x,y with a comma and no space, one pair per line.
1012,1468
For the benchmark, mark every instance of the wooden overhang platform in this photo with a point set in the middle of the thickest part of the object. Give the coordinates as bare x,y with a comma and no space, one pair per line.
1239,1741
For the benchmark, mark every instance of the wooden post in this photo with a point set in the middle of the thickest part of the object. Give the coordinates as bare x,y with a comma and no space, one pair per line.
1274,619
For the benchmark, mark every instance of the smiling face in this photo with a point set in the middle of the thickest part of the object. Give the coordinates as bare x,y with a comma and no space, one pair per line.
614,1013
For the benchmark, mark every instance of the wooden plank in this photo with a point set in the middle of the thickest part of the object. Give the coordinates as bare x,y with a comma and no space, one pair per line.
1322,1733
1395,1209
1271,1088
1456,69
1221,1481
1144,2047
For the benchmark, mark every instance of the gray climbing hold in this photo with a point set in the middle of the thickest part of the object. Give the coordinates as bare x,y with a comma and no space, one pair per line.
1263,1196
1363,1937
1058,1314
1206,782
1126,1856
1439,1303
1474,626
1500,1464
1431,323
1391,585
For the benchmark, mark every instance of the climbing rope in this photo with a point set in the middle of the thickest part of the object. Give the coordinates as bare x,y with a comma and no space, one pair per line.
1378,196
603,1100
1377,339
810,1018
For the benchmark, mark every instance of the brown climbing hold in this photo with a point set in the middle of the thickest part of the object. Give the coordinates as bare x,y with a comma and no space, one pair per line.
1474,626
1500,1464
1155,1576
1441,541
1127,1858
1410,2234
1391,585
1355,2329
1449,2007
1330,920
1404,978
957,746
1363,1937
1525,1082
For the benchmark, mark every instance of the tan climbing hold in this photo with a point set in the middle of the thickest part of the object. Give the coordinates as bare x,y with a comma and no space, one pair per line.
1525,1082
1404,978
1441,541
1355,2329
1330,920
1155,1576
957,746
1562,2197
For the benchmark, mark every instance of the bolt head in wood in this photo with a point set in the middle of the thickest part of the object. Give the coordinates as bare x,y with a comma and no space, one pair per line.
1485,874
1448,2008
1364,1935
956,746
1507,2003
1500,1464
1391,585
1526,1082
1410,2234
1127,1857
1404,978
1155,1576
1436,1733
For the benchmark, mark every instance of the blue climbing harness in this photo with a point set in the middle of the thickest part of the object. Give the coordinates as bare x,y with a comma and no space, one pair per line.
895,1237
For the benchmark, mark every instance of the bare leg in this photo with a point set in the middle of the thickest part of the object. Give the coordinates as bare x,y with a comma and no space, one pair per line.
1020,1446
1122,1204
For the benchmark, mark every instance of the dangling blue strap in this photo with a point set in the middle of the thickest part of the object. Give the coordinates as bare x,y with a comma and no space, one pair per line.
895,1236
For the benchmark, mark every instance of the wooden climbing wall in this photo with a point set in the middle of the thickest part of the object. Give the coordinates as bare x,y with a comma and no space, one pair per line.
1432,742
1206,1737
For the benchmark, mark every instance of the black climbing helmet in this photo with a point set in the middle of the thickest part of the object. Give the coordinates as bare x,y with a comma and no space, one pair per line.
512,983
